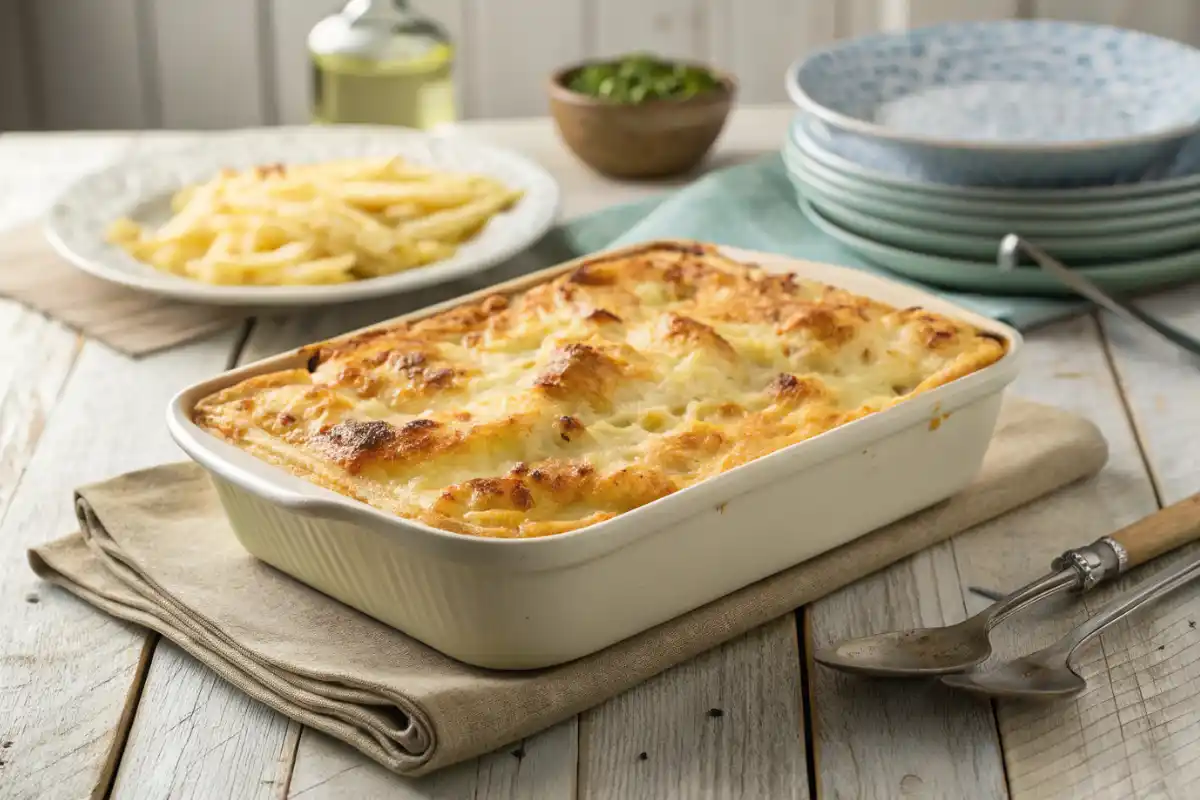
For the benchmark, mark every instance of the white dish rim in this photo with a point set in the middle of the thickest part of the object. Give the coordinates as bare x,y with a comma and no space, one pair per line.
292,493
880,132
145,279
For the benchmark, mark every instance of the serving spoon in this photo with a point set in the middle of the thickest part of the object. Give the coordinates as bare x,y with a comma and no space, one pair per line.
1048,674
925,652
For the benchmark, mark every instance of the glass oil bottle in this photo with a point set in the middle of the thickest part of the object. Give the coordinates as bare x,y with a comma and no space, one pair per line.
379,62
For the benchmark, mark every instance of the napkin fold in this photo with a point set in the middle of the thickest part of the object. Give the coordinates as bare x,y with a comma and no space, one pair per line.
154,548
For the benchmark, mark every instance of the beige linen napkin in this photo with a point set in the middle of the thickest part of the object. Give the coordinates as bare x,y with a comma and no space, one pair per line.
132,322
155,549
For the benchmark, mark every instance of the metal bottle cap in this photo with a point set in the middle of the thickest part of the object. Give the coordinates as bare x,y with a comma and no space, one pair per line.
378,30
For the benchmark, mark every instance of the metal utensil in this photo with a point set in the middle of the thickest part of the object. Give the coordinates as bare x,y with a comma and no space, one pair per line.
1048,674
927,652
1009,258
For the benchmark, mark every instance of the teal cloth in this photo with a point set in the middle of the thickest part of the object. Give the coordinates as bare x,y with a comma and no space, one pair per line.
754,206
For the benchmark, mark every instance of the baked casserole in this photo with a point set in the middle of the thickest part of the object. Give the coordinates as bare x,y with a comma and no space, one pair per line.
619,382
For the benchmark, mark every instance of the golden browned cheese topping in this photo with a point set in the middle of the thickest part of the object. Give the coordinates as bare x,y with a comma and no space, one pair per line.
606,388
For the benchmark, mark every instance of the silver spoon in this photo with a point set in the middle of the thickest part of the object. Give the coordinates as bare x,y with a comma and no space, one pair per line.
927,652
1008,259
1048,674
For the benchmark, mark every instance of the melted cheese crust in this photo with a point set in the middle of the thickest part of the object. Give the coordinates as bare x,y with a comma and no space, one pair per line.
620,382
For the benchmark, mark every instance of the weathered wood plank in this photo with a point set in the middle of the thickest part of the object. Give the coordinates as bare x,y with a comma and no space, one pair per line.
1146,695
327,769
877,739
1162,388
197,736
726,724
1093,745
542,767
38,357
39,352
539,768
66,670
945,744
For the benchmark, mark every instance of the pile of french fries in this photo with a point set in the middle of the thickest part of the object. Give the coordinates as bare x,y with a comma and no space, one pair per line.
305,224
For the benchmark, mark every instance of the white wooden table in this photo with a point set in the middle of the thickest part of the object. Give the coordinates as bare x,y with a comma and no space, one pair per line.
91,706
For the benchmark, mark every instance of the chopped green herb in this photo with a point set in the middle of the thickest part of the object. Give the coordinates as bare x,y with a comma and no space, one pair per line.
639,78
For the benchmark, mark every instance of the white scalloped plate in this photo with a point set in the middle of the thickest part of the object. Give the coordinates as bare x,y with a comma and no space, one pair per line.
141,189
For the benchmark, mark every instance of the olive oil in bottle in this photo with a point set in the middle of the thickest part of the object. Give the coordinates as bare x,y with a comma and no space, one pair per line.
379,62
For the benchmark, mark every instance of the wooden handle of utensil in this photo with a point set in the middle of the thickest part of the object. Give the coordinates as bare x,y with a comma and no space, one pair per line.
1163,531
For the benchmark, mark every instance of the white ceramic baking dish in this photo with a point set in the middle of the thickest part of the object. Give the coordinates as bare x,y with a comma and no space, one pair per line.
529,603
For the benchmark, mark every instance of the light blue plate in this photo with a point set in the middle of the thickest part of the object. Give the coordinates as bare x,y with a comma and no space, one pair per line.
1128,277
1009,103
997,217
1075,250
877,165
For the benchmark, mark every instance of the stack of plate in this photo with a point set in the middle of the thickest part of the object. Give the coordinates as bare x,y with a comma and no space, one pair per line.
921,150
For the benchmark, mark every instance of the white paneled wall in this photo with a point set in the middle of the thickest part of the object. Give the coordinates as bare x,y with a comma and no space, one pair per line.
512,46
224,63
90,64
197,85
1173,19
16,104
738,41
677,28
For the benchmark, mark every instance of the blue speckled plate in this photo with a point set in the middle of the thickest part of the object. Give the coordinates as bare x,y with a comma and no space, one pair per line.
1008,103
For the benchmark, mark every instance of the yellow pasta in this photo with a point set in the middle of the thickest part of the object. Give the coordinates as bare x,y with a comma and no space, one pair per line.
633,376
307,224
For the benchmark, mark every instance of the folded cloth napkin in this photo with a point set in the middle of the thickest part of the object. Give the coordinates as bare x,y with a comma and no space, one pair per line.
154,548
751,205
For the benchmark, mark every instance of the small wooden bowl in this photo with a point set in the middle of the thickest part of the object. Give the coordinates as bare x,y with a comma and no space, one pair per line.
654,139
